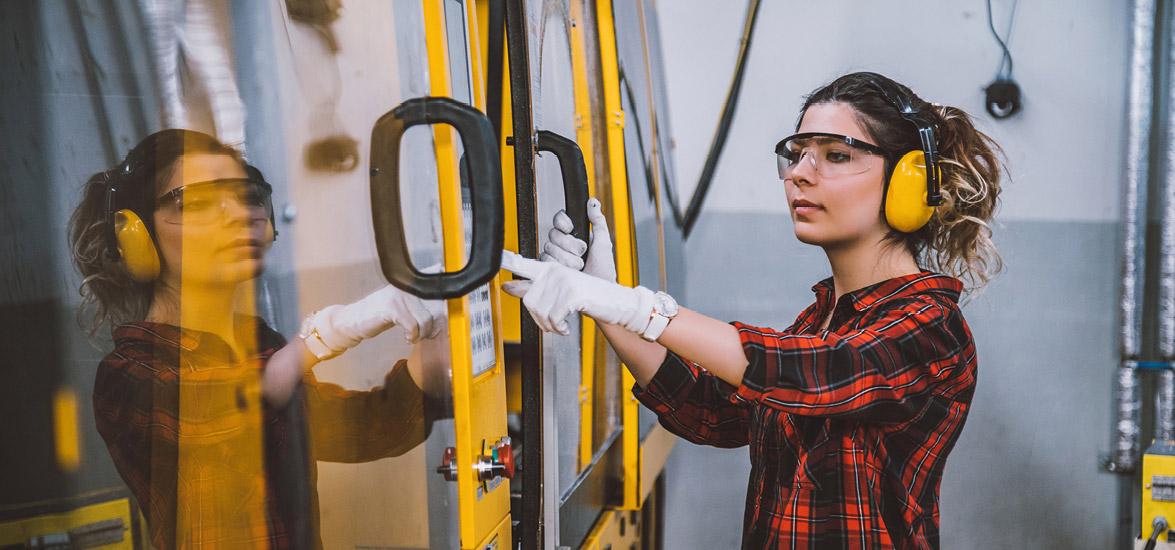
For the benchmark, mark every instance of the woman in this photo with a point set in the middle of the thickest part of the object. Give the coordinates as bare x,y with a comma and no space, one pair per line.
201,404
850,412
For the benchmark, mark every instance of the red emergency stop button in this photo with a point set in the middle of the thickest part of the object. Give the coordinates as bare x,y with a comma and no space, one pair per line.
505,457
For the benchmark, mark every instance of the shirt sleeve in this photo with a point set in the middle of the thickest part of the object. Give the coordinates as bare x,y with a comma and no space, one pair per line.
695,404
360,426
135,412
883,372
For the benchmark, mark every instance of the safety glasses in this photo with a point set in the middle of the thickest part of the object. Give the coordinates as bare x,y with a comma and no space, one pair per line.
208,202
832,155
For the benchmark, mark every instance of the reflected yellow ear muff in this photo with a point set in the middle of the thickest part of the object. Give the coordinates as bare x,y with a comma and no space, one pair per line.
906,209
135,246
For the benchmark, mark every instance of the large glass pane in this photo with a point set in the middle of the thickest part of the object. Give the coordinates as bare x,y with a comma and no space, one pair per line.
169,405
556,113
650,208
606,388
380,61
175,414
61,124
672,205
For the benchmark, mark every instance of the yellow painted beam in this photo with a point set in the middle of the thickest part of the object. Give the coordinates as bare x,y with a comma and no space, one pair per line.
655,449
622,233
479,405
583,136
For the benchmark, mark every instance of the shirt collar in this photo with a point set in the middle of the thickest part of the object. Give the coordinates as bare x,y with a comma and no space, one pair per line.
195,341
865,298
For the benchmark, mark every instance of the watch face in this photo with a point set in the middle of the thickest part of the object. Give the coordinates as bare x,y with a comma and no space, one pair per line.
666,305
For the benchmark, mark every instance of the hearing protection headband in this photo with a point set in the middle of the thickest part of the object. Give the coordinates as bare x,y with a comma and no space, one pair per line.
114,203
907,111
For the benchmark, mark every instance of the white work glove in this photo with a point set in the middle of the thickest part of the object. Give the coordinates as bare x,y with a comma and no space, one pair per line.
335,329
556,291
564,248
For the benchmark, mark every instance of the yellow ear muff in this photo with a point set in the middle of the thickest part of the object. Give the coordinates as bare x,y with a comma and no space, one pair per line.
135,246
905,200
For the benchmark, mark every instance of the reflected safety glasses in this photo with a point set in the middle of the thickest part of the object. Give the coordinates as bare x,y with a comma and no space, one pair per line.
832,155
207,202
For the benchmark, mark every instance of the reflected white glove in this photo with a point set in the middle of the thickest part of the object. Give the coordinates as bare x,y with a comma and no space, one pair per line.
335,329
556,291
564,248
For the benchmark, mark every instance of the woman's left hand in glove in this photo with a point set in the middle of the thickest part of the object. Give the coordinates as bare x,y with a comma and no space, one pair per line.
556,291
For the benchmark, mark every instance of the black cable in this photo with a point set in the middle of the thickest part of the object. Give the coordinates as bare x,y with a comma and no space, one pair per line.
1003,94
685,220
1159,526
1007,58
723,130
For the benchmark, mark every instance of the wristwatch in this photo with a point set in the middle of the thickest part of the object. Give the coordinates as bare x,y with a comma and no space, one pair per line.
664,310
313,340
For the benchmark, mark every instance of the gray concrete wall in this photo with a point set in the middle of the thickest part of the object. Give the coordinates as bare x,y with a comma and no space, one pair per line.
1025,472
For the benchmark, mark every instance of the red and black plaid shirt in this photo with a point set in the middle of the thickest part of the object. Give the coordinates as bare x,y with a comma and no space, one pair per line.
137,394
849,428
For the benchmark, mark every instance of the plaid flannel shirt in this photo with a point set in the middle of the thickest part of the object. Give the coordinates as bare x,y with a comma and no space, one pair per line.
849,428
191,473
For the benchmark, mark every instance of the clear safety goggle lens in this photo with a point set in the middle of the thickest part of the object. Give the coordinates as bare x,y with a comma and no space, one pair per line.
209,202
829,154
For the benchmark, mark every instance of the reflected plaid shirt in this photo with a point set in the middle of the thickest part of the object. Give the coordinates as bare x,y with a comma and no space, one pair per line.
849,428
137,411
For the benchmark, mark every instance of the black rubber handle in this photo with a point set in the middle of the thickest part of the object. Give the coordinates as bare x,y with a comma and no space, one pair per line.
575,183
485,196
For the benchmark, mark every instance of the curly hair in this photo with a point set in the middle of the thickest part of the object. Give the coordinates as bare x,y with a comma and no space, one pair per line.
109,293
957,240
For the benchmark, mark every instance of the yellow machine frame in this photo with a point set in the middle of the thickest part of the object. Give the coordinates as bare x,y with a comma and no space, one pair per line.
479,404
644,460
1158,476
18,532
583,136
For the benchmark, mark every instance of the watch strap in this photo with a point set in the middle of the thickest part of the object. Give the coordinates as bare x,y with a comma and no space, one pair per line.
313,340
657,324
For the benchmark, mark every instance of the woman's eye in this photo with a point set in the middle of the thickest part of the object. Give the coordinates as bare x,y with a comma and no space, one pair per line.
197,204
838,156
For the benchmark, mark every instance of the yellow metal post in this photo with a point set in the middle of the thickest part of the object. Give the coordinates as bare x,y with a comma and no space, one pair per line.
622,235
583,135
479,404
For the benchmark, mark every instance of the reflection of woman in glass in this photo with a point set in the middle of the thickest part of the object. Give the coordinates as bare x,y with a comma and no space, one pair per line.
851,411
201,404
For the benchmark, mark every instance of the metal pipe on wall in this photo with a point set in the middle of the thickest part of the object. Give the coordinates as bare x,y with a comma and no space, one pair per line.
1165,406
1166,191
1165,396
1126,425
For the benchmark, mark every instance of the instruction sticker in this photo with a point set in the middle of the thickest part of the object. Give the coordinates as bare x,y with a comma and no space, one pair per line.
481,316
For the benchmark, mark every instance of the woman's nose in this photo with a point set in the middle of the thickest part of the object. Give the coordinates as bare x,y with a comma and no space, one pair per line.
235,212
804,170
